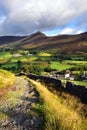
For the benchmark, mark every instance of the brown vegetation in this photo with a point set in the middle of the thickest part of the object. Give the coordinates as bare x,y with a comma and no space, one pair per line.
39,41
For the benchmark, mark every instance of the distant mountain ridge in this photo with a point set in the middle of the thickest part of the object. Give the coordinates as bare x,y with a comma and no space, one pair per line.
39,41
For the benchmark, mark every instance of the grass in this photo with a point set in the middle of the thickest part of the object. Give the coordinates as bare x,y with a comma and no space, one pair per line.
75,62
5,55
23,58
11,98
8,65
59,66
44,54
2,61
83,83
6,79
57,115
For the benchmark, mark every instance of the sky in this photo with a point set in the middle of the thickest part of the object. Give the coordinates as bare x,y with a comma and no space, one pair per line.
52,17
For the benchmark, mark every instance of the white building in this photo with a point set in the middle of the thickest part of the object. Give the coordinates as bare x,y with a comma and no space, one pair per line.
67,75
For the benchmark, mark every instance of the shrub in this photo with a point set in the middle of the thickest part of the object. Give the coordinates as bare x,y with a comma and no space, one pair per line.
47,69
35,69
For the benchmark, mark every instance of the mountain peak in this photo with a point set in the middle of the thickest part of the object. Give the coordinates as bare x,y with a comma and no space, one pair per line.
38,33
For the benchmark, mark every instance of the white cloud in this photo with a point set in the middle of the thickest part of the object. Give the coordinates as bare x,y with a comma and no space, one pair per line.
79,31
67,31
27,16
71,31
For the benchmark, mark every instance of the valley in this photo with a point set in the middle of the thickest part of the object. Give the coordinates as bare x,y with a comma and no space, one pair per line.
28,102
64,67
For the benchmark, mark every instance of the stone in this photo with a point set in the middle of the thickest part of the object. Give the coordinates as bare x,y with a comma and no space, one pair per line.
32,122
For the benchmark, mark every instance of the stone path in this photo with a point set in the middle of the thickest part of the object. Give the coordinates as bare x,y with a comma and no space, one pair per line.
22,117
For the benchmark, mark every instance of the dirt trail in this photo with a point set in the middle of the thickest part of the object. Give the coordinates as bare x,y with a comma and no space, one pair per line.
21,116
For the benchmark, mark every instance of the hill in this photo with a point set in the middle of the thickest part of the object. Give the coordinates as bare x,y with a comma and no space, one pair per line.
39,41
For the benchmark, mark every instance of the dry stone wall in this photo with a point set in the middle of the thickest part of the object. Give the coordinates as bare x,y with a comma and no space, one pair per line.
76,90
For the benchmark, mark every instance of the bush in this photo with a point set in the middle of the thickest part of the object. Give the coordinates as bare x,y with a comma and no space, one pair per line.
47,69
35,69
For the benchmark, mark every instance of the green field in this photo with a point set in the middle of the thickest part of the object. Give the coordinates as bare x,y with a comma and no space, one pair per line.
44,54
83,83
59,66
75,62
5,55
46,62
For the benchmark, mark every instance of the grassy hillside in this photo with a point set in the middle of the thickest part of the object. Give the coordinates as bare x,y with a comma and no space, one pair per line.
39,41
6,79
57,115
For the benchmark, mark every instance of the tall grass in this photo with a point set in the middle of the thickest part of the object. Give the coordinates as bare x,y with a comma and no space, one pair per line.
57,115
6,78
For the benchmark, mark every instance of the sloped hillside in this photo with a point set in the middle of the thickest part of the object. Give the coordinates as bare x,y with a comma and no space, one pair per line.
8,39
39,41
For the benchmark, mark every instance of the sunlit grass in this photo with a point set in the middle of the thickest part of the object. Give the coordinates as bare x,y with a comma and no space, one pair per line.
59,66
13,97
57,115
5,55
44,54
23,59
6,78
75,62
83,83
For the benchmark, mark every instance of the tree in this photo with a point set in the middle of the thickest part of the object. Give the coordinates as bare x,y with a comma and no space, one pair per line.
19,64
35,69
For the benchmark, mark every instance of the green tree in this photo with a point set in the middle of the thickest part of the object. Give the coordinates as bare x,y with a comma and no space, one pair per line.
19,65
